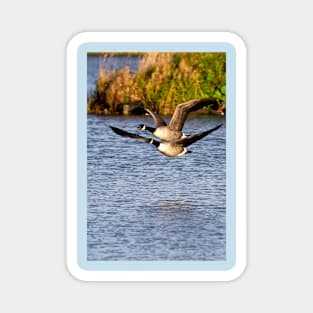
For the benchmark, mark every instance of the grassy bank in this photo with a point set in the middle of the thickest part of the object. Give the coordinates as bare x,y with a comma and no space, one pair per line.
162,81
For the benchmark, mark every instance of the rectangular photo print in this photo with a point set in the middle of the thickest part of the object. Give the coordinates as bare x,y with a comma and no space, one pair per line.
155,146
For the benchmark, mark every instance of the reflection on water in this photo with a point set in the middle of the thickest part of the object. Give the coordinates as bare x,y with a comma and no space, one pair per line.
143,205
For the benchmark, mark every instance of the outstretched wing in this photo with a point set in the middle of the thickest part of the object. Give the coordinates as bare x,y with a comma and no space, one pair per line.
157,119
183,109
187,141
124,133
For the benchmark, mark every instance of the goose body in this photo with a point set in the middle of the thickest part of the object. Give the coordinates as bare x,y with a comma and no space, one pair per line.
163,132
169,148
173,131
167,134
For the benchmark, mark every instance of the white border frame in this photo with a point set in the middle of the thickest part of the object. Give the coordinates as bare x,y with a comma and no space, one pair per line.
241,162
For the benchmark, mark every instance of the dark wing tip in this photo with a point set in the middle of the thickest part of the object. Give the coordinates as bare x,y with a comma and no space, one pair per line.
118,131
193,138
217,127
126,134
122,132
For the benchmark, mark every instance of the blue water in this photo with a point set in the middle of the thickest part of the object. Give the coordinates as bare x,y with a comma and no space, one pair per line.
144,206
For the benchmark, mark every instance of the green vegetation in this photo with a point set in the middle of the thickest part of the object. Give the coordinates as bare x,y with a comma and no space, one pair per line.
162,81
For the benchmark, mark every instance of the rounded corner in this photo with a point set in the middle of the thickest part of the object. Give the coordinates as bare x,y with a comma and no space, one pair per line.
237,271
76,272
236,40
76,40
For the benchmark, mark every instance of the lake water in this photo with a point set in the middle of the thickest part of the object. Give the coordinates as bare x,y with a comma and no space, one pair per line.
145,206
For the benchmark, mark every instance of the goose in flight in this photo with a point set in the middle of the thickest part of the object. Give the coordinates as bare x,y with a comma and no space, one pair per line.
169,148
173,131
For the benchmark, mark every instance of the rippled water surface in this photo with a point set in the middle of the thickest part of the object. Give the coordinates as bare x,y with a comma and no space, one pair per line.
143,205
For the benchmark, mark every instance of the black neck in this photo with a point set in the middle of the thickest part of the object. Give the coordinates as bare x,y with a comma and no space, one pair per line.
154,142
150,129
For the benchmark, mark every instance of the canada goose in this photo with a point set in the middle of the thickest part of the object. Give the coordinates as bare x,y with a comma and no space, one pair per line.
169,148
173,131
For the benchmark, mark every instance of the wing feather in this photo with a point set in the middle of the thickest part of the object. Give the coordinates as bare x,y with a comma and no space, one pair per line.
183,109
124,133
187,141
157,119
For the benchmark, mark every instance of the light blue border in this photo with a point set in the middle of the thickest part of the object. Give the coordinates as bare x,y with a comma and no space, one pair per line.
230,157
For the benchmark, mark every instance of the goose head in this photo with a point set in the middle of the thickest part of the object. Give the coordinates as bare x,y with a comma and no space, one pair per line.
141,127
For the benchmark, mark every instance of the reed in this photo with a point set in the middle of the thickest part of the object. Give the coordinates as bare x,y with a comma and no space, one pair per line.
162,81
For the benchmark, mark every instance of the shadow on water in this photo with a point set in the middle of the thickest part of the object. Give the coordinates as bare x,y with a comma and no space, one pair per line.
172,205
